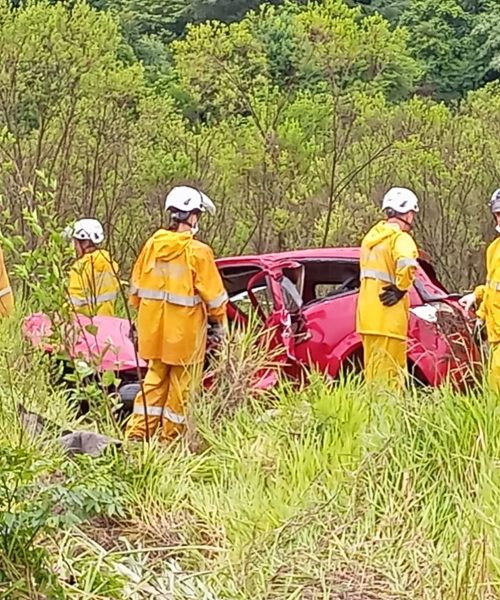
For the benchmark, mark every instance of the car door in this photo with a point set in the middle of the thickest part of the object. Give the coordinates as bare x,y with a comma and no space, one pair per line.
282,279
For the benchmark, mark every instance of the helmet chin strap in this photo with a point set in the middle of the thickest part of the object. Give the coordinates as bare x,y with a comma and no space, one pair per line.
400,218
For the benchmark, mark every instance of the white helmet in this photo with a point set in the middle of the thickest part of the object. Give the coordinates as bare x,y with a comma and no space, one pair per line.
184,199
86,229
400,200
494,202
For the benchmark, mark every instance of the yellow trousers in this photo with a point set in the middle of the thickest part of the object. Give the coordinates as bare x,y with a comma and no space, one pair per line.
385,360
167,389
494,371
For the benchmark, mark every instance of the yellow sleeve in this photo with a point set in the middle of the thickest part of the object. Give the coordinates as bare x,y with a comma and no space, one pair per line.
77,285
491,254
209,286
479,292
75,281
135,280
6,295
405,254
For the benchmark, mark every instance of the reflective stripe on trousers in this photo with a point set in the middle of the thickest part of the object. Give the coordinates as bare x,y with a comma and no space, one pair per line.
92,300
375,274
5,291
150,411
158,411
174,417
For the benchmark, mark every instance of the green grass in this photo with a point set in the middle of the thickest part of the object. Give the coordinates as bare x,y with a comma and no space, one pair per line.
329,492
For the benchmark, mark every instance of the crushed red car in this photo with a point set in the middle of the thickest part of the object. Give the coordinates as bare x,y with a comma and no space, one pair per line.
309,297
307,300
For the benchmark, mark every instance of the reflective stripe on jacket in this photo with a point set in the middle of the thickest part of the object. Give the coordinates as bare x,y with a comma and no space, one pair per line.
388,256
488,295
176,287
94,284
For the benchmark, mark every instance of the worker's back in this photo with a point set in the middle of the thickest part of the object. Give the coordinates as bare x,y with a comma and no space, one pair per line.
94,284
173,282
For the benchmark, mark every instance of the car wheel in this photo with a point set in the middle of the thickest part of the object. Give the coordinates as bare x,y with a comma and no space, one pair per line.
127,393
352,365
417,378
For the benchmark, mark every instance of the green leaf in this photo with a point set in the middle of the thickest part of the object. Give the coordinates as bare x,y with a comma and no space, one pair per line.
91,329
108,378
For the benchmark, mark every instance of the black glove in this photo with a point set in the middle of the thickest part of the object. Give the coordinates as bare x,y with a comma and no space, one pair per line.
391,295
216,333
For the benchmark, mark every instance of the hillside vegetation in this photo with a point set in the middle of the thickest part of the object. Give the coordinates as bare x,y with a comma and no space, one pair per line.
295,117
328,493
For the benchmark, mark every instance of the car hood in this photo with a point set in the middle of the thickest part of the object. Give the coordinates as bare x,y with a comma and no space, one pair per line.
103,342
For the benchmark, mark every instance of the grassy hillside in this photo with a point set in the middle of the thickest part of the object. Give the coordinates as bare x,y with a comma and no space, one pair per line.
329,492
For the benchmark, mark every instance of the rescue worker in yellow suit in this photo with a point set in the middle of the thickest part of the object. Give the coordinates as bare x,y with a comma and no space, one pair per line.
487,297
177,290
6,295
93,279
388,265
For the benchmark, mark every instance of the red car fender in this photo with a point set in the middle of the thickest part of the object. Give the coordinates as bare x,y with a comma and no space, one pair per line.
332,358
439,367
431,370
343,351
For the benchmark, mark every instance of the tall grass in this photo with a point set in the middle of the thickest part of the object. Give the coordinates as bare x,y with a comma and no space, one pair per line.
324,492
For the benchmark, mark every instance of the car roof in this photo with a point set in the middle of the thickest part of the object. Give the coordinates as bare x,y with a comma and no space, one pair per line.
346,253
297,255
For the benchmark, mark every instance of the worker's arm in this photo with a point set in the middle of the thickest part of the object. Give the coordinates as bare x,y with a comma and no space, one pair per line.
209,286
405,254
6,295
479,293
79,284
135,281
491,259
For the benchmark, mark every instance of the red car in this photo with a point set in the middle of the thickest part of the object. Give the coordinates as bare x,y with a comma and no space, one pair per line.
309,297
307,300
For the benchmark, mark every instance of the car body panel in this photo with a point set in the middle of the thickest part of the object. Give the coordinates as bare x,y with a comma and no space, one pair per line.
329,341
103,342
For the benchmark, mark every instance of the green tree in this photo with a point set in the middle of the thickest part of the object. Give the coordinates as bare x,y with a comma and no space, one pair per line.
439,36
486,39
390,9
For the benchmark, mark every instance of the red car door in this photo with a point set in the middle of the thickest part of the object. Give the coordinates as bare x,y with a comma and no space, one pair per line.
283,280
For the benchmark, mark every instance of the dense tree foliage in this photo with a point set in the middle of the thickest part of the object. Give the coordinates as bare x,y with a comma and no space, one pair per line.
295,118
457,40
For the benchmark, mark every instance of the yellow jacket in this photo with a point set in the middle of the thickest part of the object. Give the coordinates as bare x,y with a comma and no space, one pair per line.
177,287
488,295
93,284
6,296
388,255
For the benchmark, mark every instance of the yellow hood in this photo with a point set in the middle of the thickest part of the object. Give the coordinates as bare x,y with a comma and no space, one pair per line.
166,245
380,232
101,260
